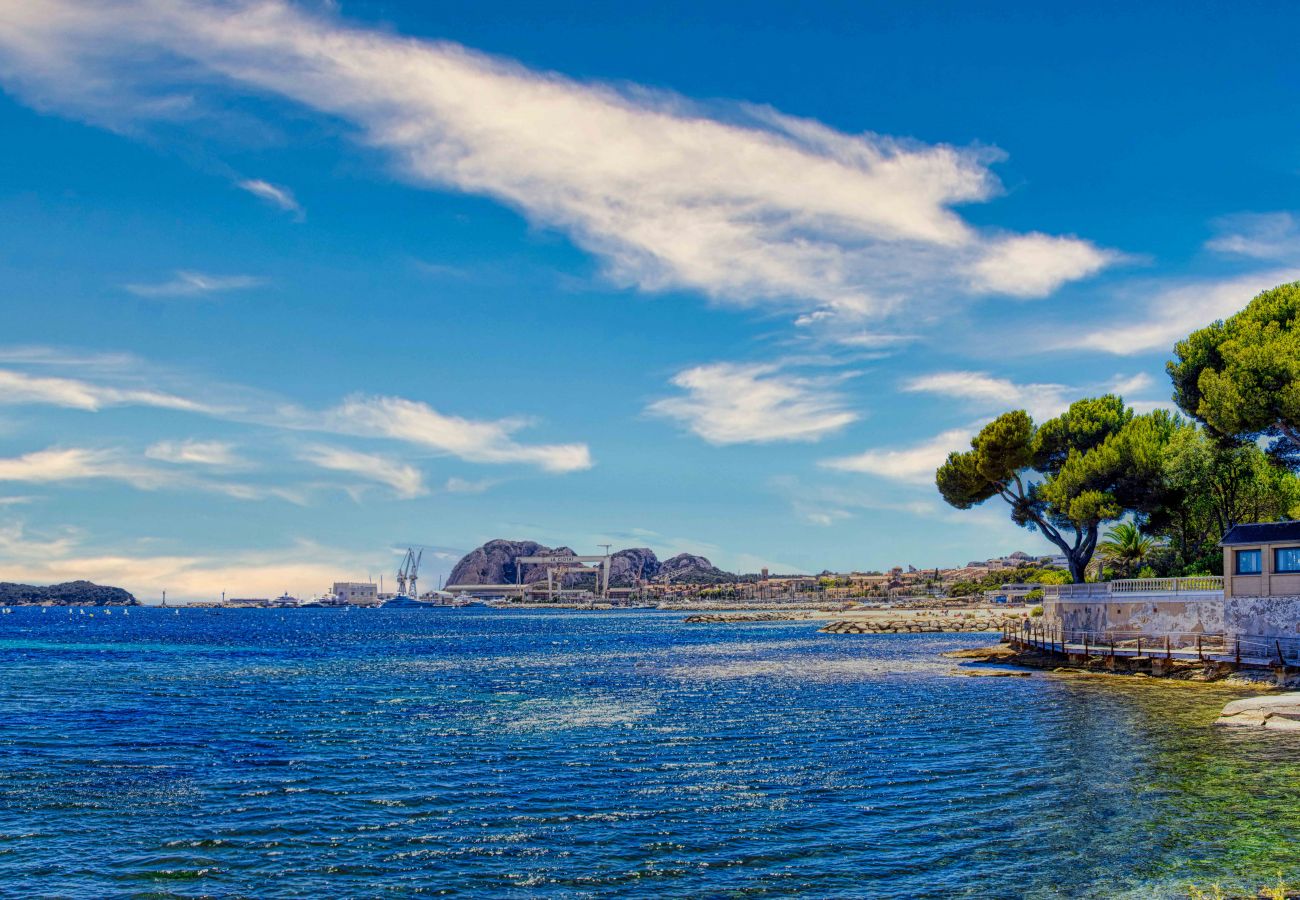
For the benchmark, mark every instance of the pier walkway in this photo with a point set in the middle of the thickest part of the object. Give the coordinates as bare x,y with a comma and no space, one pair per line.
1250,651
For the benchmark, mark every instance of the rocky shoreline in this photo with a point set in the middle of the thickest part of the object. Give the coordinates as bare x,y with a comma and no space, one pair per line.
1178,670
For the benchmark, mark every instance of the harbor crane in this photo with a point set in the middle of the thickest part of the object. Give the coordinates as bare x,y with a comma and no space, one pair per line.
408,574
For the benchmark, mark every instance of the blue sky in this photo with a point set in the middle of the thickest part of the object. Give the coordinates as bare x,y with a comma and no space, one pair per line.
288,286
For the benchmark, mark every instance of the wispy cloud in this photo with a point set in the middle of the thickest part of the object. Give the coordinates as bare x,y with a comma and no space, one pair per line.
280,197
194,284
741,203
20,388
465,486
1274,236
1172,311
1042,401
406,480
197,453
984,392
735,403
915,463
365,417
57,464
473,440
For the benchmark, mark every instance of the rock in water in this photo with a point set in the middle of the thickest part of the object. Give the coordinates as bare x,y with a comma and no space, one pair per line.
1280,712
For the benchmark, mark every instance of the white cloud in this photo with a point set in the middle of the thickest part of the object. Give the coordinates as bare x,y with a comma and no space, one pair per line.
1258,235
199,453
57,464
406,480
473,440
915,464
1042,401
19,388
277,196
465,486
743,204
1035,265
1173,312
195,284
733,403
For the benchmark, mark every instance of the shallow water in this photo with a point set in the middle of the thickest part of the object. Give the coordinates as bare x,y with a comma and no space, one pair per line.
366,753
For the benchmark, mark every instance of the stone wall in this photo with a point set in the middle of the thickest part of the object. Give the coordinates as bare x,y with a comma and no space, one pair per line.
1268,616
1151,614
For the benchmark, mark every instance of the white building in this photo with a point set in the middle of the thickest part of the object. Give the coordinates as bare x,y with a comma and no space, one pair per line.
357,593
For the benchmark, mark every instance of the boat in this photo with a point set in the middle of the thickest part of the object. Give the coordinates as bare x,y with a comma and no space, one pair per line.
401,601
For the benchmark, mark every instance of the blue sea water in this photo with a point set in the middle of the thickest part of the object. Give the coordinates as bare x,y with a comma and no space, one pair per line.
475,752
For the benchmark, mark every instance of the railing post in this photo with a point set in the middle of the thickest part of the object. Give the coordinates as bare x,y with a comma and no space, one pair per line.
1238,653
1199,655
1168,650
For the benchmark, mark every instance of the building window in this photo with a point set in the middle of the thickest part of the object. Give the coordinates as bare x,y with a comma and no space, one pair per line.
1286,559
1248,562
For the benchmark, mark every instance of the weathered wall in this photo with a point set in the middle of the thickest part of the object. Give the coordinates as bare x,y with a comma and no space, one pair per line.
1268,616
1159,614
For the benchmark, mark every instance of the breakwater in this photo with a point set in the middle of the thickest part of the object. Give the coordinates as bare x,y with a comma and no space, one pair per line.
917,625
790,615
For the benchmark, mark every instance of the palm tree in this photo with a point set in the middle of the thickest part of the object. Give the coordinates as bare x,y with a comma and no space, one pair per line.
1126,547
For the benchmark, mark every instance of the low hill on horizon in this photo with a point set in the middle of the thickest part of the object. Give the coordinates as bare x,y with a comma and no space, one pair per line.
69,593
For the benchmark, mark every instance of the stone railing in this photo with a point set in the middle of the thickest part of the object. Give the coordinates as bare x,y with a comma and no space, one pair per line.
1194,584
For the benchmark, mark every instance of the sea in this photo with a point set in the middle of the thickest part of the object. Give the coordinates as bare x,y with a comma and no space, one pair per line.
492,753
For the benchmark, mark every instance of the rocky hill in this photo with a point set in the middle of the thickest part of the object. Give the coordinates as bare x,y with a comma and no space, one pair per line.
686,568
494,563
72,593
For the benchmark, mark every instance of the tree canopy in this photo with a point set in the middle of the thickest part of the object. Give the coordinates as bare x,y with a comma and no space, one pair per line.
1241,377
1092,464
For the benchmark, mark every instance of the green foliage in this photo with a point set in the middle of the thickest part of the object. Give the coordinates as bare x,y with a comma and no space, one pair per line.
1126,548
1037,611
1025,574
1241,378
1095,462
1208,486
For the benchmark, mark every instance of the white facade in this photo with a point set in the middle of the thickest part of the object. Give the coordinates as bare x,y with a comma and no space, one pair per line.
357,593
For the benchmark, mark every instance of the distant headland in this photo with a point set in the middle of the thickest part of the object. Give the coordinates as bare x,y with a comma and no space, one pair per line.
70,593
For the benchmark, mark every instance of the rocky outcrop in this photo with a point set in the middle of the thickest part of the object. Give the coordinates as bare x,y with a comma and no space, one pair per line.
71,593
1281,712
494,563
685,568
629,567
